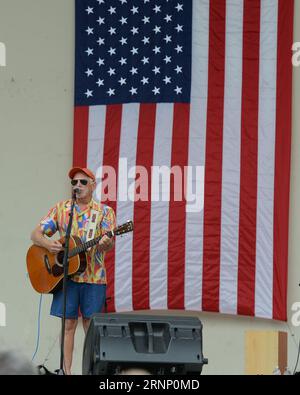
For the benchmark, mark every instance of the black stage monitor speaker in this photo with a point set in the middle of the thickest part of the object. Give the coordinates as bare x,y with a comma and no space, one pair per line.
159,344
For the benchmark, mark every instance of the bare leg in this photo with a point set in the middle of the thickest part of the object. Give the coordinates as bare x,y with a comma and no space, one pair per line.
86,323
70,328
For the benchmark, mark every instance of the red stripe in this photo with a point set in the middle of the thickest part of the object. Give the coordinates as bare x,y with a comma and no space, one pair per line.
142,211
282,157
81,124
111,158
249,152
177,208
80,143
213,160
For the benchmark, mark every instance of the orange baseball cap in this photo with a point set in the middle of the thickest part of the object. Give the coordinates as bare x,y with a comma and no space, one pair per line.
84,170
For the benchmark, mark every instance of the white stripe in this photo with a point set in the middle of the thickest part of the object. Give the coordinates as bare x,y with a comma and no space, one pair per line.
125,207
231,157
266,159
194,220
160,209
96,131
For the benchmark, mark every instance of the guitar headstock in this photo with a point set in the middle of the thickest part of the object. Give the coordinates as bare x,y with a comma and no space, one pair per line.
125,228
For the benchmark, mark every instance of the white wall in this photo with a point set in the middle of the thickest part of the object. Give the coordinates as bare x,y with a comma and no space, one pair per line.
36,121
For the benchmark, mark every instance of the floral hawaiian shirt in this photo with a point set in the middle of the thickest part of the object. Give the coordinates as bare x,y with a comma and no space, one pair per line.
57,220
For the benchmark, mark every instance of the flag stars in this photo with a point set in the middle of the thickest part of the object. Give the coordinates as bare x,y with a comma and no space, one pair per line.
123,61
135,10
156,91
90,51
112,51
178,90
178,69
90,30
145,60
167,80
134,51
168,39
122,81
156,50
157,29
167,59
178,49
100,82
123,41
112,10
146,19
90,10
156,70
112,30
134,30
133,70
146,40
123,20
179,7
88,93
111,71
116,73
133,91
101,21
111,92
100,62
145,81
89,72
101,41
179,28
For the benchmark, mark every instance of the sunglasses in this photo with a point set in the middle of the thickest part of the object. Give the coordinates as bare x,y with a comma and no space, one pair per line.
75,182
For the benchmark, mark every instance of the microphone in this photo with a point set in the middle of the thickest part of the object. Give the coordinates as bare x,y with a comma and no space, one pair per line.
76,191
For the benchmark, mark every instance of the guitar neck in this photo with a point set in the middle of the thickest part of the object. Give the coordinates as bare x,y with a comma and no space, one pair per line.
85,246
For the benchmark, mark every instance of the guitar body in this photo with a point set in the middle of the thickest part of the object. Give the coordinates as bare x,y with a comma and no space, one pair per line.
45,269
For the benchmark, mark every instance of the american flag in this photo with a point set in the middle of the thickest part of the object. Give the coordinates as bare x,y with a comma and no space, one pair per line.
190,96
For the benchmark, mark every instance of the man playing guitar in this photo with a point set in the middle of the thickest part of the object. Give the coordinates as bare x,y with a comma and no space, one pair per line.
86,290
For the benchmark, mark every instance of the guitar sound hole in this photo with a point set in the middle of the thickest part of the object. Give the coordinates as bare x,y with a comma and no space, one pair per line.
58,269
60,258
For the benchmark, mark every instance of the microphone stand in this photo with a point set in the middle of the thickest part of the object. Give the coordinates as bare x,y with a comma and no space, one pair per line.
66,269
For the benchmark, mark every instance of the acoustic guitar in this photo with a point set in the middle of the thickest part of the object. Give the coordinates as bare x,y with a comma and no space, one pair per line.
46,270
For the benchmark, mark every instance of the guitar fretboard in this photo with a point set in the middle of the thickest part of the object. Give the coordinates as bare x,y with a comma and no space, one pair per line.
85,246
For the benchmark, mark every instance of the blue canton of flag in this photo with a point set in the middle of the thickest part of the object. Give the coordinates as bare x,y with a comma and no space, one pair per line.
133,51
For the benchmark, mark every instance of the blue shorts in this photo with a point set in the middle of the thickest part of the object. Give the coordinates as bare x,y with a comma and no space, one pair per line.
90,298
